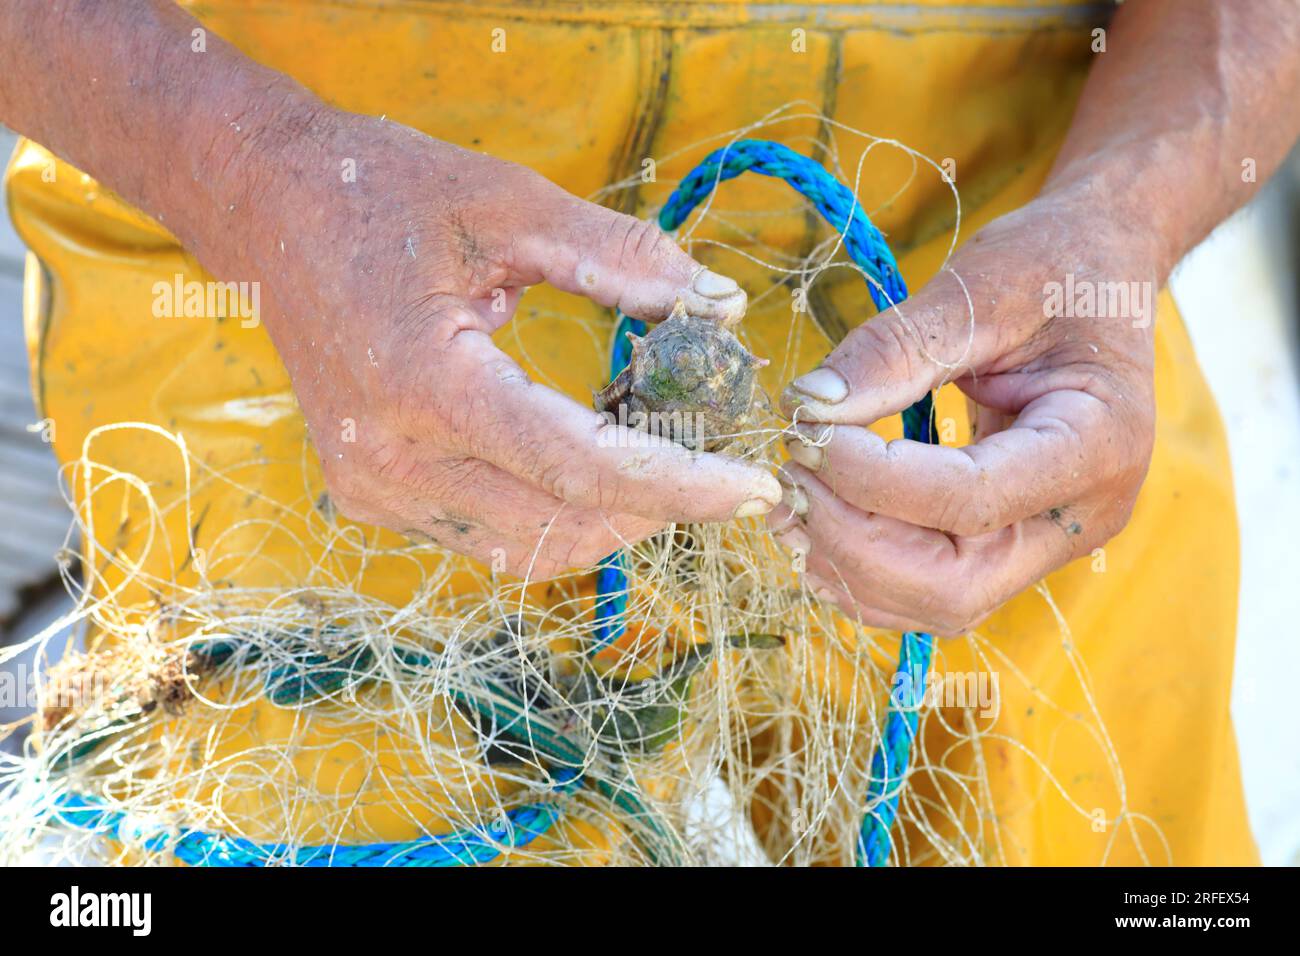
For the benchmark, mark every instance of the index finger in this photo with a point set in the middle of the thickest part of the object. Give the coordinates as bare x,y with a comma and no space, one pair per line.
1051,455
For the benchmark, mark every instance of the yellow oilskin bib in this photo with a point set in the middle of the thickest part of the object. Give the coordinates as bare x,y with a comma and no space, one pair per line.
585,93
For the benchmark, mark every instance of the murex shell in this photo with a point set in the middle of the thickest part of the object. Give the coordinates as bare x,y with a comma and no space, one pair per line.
689,380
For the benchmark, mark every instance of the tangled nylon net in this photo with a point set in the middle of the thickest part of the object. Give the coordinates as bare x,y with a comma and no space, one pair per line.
732,722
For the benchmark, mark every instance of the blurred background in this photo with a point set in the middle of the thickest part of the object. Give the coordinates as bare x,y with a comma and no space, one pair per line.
1239,293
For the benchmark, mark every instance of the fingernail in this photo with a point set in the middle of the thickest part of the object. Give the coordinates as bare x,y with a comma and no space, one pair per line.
753,508
823,385
709,283
807,444
794,539
811,457
814,433
792,496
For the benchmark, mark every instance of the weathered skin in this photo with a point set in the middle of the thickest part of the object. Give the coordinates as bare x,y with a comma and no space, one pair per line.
921,538
382,295
689,380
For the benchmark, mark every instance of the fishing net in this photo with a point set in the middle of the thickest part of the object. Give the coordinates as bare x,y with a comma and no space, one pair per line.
377,700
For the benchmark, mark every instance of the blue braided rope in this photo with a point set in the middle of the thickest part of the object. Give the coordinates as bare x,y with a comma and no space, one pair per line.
866,247
837,204
890,760
467,847
611,601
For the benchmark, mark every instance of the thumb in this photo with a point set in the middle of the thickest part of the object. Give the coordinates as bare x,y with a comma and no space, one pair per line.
892,360
619,260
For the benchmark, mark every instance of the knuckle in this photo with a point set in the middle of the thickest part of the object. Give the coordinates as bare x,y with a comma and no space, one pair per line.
555,477
968,516
524,181
570,479
604,491
640,241
887,347
356,474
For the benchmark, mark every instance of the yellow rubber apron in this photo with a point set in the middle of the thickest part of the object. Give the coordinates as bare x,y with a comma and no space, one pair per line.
584,92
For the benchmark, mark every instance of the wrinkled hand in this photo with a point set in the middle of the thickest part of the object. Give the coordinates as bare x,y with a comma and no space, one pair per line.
384,300
916,537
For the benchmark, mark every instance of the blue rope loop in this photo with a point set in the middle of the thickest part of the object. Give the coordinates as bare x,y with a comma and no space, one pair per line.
867,247
835,201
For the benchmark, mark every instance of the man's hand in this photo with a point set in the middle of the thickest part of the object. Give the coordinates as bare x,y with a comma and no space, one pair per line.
384,301
382,294
923,537
1189,107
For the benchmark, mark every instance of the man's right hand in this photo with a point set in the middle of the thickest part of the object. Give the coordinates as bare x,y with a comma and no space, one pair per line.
382,294
382,302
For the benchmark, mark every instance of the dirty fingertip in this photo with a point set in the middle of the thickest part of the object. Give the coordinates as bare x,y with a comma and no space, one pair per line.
768,488
753,508
725,307
712,285
823,385
762,493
